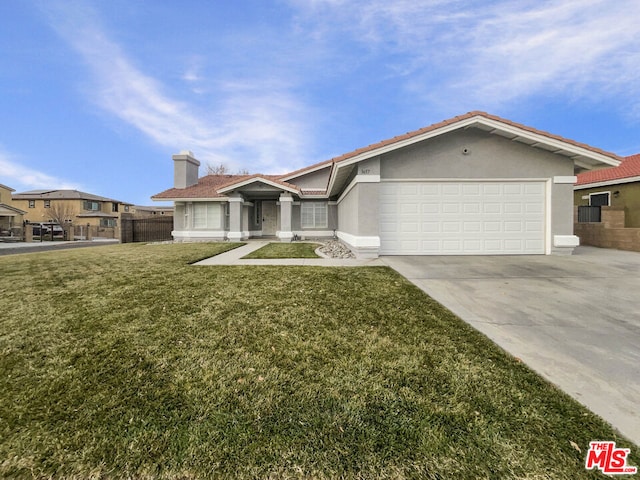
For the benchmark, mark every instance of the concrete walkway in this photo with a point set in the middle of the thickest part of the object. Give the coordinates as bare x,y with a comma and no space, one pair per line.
234,257
574,319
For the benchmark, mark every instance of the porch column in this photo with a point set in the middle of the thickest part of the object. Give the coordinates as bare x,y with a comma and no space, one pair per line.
235,218
285,234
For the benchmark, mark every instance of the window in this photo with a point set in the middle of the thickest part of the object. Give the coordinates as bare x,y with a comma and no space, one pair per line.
313,215
47,204
600,199
107,222
93,206
206,215
114,207
126,208
32,204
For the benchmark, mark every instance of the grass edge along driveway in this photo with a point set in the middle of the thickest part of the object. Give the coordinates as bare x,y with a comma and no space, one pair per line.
125,361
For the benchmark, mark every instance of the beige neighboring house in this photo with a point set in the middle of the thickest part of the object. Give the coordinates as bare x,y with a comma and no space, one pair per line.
141,211
72,207
11,218
475,184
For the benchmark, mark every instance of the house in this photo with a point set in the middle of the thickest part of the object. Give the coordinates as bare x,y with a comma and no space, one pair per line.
73,207
608,206
142,211
474,184
11,218
613,187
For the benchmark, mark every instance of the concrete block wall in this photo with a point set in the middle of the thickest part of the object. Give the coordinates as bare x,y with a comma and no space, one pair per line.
610,232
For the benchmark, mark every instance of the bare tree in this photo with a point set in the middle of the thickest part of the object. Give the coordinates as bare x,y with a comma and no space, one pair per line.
243,171
220,169
63,214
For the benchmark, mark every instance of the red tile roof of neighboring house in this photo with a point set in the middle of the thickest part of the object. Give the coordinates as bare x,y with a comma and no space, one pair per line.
460,118
630,167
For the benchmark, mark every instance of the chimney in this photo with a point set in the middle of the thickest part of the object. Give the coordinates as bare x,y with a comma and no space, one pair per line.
185,169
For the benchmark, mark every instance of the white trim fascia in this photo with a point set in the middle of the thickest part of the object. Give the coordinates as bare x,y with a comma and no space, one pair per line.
307,171
358,179
314,233
449,179
544,140
184,200
607,183
359,241
313,197
254,180
469,122
548,211
236,200
566,241
568,179
198,233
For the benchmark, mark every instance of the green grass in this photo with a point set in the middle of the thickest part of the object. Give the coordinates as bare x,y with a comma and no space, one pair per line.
126,362
285,250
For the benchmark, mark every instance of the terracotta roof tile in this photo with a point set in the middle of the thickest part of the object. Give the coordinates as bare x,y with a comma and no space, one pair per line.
207,187
271,178
630,167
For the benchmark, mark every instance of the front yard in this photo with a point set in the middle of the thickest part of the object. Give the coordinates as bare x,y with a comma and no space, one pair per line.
126,361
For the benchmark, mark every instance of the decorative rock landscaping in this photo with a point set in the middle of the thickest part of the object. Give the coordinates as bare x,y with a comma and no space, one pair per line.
334,249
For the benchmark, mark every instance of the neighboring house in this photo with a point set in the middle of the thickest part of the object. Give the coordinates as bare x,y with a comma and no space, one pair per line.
613,187
11,218
140,211
475,184
71,207
608,206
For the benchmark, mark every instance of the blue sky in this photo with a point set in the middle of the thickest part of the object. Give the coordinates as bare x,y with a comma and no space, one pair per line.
98,95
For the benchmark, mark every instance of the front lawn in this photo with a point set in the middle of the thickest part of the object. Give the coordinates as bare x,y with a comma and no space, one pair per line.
127,362
285,250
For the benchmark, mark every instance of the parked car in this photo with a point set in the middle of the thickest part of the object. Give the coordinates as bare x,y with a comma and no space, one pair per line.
44,229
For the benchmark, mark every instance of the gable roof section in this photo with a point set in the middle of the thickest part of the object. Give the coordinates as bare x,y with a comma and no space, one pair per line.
8,210
583,155
628,171
273,180
493,124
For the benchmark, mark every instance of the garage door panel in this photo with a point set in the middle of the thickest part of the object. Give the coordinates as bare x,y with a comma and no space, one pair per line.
462,218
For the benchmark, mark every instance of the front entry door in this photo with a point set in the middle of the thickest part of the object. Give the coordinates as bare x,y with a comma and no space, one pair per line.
269,216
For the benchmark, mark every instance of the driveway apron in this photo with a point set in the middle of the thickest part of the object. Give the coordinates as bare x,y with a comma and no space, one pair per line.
574,319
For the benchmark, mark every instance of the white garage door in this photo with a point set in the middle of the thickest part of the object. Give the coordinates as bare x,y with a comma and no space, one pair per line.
462,218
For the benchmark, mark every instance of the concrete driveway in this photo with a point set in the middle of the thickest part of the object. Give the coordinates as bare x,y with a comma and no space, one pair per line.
574,319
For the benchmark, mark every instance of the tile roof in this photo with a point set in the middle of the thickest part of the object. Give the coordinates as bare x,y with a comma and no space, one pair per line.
630,167
62,195
460,118
258,176
207,187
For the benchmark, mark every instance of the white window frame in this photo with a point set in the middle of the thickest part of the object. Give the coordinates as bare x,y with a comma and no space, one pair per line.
316,208
608,193
212,218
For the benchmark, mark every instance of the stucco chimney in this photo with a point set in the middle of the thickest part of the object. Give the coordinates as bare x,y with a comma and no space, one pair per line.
185,169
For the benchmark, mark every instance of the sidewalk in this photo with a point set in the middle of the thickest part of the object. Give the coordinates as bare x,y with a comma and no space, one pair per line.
234,257
10,248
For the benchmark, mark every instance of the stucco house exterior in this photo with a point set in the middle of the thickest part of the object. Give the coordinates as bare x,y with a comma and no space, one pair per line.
476,184
617,187
73,207
11,217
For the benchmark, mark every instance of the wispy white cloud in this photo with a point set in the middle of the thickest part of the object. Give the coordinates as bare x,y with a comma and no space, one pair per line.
253,127
19,177
488,54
